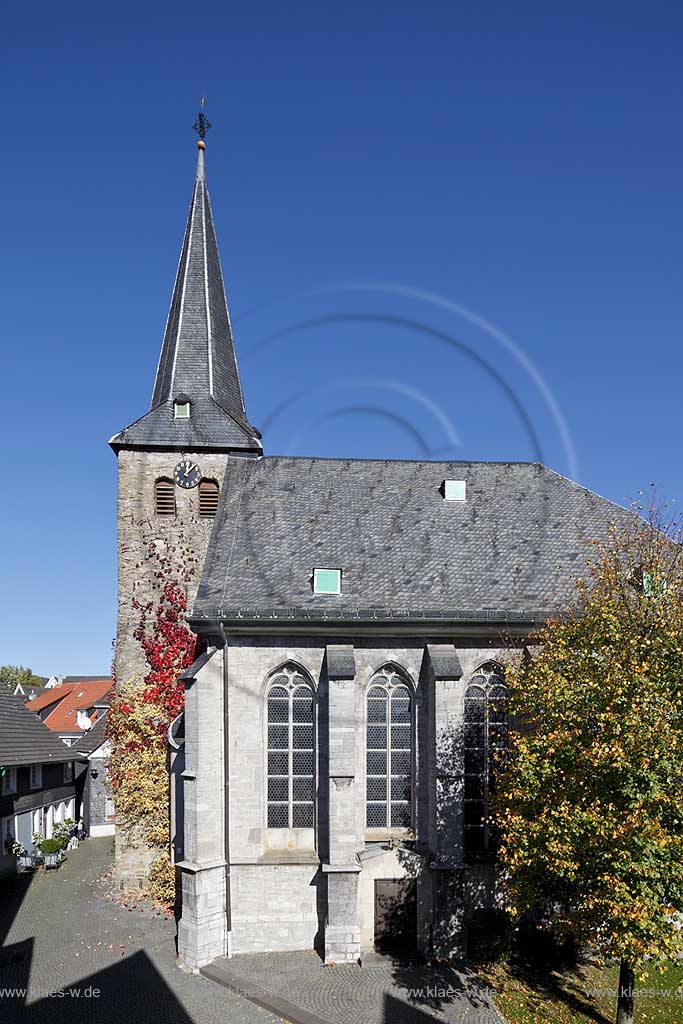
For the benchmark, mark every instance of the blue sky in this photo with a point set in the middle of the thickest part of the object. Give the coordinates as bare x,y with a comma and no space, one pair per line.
384,180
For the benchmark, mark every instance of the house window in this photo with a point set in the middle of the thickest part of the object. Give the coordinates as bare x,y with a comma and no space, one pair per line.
164,497
485,741
9,780
291,751
39,822
388,753
208,498
36,776
8,836
68,771
181,410
327,581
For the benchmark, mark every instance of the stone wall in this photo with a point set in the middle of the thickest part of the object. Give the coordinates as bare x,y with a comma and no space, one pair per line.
276,906
99,823
315,887
138,526
184,537
203,929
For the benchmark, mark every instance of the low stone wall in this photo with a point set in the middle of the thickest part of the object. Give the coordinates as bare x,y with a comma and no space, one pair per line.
276,907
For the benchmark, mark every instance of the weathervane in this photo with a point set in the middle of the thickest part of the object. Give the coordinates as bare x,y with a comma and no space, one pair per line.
202,124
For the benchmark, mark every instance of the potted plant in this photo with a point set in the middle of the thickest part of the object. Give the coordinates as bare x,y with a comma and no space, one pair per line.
15,849
63,831
51,849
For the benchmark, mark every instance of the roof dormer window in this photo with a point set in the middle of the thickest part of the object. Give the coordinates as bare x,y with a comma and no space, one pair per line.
181,409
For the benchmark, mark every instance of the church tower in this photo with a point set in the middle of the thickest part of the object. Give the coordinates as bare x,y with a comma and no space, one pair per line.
172,461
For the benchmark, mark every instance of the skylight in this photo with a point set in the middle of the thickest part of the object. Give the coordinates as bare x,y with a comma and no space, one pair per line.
454,490
327,581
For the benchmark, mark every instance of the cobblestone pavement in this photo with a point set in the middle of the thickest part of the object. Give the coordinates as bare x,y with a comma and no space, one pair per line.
70,953
58,930
380,992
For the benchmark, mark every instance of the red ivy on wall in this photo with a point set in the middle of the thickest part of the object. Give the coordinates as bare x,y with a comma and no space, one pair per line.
140,716
169,648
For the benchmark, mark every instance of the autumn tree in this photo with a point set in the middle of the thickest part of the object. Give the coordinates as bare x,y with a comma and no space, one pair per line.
590,806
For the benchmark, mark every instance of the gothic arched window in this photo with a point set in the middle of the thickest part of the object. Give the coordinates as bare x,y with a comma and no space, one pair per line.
388,752
164,497
291,750
485,740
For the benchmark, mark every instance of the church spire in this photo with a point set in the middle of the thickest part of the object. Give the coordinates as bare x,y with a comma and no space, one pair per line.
197,365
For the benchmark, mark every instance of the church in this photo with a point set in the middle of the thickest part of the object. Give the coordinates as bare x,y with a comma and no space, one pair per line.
354,619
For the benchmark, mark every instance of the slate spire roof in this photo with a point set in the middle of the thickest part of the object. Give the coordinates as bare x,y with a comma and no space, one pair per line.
197,361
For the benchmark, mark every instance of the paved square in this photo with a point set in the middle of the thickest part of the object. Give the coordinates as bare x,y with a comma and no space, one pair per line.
58,931
302,989
69,954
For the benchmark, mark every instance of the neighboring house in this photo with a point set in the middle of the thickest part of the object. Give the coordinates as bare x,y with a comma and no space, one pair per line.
28,691
37,784
71,707
92,772
353,619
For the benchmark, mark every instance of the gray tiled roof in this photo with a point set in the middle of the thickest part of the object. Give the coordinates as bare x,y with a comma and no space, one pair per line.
30,691
85,679
197,360
93,738
341,661
24,739
445,661
510,552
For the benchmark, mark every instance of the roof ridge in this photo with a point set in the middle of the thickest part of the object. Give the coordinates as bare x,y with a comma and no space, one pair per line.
426,462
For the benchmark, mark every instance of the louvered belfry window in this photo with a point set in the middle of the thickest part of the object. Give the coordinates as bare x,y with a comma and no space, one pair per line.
291,751
389,753
164,497
208,498
485,743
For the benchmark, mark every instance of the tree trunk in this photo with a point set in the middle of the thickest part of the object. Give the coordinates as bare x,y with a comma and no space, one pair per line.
625,998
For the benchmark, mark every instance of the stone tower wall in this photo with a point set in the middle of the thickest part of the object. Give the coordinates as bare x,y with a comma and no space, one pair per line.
138,527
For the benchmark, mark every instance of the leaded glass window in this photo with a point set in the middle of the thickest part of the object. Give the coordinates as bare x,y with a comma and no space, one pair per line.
291,751
388,753
485,741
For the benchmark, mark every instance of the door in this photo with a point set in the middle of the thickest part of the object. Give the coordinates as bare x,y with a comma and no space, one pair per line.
396,915
25,830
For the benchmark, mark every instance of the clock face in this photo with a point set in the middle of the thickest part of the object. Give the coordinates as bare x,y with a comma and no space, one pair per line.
187,473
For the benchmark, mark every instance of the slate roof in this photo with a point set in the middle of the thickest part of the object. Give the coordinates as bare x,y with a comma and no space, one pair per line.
24,739
86,679
509,553
28,690
93,738
197,361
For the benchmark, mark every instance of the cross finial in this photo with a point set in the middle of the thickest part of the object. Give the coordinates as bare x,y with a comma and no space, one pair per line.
202,124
